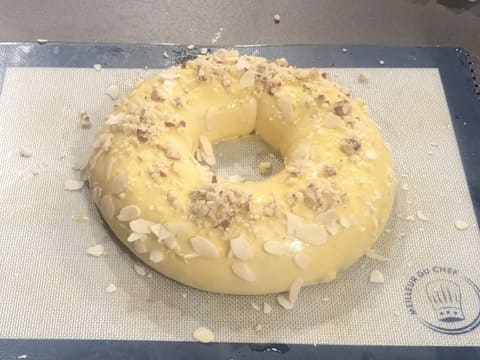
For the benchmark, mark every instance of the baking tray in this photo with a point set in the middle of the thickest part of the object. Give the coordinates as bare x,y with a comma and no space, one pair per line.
456,71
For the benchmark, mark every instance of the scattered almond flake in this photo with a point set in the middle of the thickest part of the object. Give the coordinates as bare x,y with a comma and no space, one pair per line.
141,226
345,222
405,186
302,260
106,204
136,236
344,50
22,356
119,183
203,51
96,250
275,248
235,179
362,78
111,288
172,244
85,120
243,271
161,232
204,247
176,227
284,302
433,144
421,216
80,163
42,41
140,247
312,234
248,79
381,62
256,307
430,152
241,248
372,254
207,150
409,218
80,218
140,270
149,275
97,67
293,223
371,154
326,217
73,185
166,55
203,335
285,106
190,47
267,308
265,167
276,18
113,91
294,290
26,152
129,213
376,277
156,256
461,225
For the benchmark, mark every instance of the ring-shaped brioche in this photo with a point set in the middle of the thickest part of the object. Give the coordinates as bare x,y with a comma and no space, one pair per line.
151,181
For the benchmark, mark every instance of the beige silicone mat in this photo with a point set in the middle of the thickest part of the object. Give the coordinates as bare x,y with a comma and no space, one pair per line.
50,287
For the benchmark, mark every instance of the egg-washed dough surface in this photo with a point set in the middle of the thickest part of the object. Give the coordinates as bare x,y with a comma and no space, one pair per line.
298,227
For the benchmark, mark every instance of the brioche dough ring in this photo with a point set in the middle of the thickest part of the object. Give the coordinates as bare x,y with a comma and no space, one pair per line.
301,226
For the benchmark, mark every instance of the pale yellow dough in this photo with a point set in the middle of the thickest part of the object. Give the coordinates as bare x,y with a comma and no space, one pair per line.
303,225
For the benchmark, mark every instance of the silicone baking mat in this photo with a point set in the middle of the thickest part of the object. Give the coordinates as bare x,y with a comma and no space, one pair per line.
51,289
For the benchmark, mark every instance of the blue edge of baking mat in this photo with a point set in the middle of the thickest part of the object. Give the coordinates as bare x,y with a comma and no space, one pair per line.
463,100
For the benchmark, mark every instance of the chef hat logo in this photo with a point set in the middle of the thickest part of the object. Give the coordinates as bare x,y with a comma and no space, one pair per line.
446,299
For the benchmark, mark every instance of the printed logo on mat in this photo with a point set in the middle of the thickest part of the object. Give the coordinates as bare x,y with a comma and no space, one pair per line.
444,300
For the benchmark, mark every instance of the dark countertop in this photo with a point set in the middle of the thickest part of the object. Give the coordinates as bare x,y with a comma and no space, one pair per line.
230,22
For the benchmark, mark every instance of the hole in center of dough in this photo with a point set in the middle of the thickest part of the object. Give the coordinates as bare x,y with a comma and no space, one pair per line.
247,157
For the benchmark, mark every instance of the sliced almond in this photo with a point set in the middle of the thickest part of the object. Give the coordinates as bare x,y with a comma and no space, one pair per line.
203,335
97,194
241,248
331,121
326,217
461,225
267,308
156,256
275,248
140,270
421,216
284,302
256,307
26,152
106,204
285,106
204,247
141,226
247,80
172,244
161,232
333,228
302,260
312,234
376,277
176,227
140,247
371,154
129,213
207,150
108,167
167,76
96,250
294,290
111,288
243,271
113,91
119,182
136,236
293,222
372,254
73,185
345,222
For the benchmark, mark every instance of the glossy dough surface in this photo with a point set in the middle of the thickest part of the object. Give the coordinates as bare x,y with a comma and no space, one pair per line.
151,181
